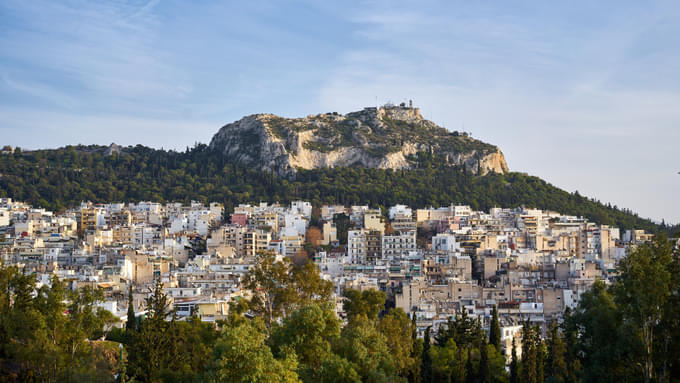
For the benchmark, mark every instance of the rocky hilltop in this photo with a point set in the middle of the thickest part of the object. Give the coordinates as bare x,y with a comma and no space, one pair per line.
389,137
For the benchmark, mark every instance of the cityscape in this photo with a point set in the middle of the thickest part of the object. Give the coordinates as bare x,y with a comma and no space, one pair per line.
339,192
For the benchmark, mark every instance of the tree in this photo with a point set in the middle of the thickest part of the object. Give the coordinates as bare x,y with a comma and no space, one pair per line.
368,303
540,355
361,344
342,225
268,280
470,372
426,365
603,340
642,290
308,285
445,360
241,355
495,330
336,369
528,354
396,327
496,362
514,364
484,373
556,363
464,330
571,340
131,324
85,321
310,332
148,353
414,375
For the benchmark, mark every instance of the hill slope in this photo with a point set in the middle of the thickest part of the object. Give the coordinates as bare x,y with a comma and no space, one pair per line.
62,178
389,137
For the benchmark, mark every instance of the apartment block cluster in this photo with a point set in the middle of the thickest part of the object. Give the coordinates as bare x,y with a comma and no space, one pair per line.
433,263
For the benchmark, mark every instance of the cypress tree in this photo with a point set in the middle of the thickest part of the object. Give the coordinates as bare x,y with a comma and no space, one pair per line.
514,373
540,355
131,324
484,364
469,370
426,364
528,354
556,363
495,330
414,375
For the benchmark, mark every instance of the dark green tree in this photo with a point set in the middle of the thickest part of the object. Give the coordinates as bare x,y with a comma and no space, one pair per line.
131,324
556,363
366,303
514,364
484,373
642,290
426,364
495,330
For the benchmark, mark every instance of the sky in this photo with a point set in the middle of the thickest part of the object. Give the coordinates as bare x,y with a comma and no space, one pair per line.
583,94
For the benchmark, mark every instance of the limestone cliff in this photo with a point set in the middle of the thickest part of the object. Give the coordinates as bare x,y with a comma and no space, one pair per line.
389,137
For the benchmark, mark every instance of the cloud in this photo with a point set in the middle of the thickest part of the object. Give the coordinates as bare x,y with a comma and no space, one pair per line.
548,91
40,91
103,49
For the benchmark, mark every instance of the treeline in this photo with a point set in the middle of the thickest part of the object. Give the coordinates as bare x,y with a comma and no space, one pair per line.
62,178
288,332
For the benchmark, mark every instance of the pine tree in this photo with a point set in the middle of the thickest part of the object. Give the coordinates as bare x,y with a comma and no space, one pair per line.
514,366
131,324
495,330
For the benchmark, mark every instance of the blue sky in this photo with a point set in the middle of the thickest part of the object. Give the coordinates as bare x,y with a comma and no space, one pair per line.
583,94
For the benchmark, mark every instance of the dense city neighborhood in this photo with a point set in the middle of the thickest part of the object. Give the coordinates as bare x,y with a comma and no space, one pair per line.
433,263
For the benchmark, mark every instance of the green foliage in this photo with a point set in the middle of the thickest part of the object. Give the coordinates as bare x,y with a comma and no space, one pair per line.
61,178
310,332
51,334
131,324
461,354
629,330
367,303
495,330
337,369
529,353
426,361
448,361
556,366
397,329
644,287
364,346
514,364
242,355
280,287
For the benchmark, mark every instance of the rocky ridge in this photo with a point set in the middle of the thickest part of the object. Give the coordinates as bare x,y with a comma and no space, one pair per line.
389,137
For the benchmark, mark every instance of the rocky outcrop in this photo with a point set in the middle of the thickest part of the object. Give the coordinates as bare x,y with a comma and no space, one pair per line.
389,137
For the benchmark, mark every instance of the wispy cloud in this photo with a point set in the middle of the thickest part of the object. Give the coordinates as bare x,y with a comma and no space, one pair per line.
546,88
103,49
40,91
584,94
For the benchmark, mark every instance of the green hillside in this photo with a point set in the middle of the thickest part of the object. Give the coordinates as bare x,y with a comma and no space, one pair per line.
61,178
